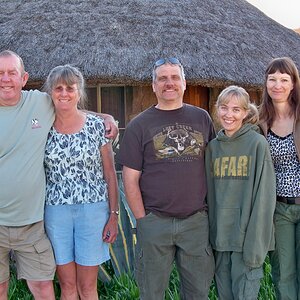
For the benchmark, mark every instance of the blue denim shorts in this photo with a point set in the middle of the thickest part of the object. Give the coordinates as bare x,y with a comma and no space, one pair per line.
75,232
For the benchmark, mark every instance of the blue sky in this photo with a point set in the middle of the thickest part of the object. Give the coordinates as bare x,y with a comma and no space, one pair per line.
285,12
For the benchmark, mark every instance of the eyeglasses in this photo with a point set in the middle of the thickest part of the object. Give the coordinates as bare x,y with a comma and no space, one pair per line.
68,89
171,60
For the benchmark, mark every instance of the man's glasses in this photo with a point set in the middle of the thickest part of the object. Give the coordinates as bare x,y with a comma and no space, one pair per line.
171,60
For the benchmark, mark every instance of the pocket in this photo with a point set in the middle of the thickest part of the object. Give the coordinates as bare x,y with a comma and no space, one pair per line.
42,246
255,274
227,228
252,284
230,218
140,220
44,251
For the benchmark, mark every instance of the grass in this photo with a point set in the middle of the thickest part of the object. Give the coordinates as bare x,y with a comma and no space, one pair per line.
125,288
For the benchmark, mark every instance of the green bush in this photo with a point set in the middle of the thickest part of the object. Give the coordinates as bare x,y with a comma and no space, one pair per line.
123,287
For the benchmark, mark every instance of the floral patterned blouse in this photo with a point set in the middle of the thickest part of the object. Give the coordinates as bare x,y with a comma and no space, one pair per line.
73,165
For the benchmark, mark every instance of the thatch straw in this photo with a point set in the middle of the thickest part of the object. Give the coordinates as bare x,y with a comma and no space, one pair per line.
116,41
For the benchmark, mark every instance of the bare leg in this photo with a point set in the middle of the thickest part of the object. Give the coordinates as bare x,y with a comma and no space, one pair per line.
41,290
87,282
3,290
67,280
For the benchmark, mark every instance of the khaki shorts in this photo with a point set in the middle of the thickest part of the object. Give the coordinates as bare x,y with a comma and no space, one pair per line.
31,250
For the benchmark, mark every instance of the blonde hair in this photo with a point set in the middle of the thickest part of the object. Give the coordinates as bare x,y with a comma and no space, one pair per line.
244,100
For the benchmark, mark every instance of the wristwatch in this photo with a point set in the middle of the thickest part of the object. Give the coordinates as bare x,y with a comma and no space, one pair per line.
115,212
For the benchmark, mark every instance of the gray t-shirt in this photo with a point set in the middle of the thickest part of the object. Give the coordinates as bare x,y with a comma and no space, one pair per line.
23,134
167,146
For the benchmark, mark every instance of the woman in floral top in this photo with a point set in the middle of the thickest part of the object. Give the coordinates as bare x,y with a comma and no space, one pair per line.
81,214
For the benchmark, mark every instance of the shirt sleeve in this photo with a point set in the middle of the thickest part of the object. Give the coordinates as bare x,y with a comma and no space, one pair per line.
131,150
260,230
99,130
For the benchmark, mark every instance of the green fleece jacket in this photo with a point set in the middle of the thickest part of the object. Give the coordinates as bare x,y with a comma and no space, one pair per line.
241,194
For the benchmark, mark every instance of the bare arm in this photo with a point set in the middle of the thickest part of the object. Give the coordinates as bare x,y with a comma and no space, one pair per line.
111,126
132,191
111,228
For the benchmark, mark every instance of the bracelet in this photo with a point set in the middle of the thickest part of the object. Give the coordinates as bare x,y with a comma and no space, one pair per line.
115,212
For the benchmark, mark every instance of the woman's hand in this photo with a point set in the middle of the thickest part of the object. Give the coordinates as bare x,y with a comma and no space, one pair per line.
110,231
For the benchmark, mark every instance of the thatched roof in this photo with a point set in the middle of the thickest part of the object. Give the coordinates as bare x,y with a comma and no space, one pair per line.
117,41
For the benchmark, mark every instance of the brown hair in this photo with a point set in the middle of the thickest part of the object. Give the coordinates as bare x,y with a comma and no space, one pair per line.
283,65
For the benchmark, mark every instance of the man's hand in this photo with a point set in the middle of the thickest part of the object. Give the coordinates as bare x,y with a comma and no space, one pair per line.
111,126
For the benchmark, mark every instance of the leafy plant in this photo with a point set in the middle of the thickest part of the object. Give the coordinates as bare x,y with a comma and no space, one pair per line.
124,287
267,290
122,250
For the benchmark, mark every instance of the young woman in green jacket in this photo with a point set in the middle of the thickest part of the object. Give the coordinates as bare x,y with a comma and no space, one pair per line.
241,197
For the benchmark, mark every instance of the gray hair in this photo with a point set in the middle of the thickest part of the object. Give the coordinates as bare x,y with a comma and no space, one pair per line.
6,53
68,75
170,61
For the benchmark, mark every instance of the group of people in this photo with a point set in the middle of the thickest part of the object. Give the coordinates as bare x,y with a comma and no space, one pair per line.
57,173
216,205
212,203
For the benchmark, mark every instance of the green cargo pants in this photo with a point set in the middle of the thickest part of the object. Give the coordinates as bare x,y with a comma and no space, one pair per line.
285,260
234,280
163,240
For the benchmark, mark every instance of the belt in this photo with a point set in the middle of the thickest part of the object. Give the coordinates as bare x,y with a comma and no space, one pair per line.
289,200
